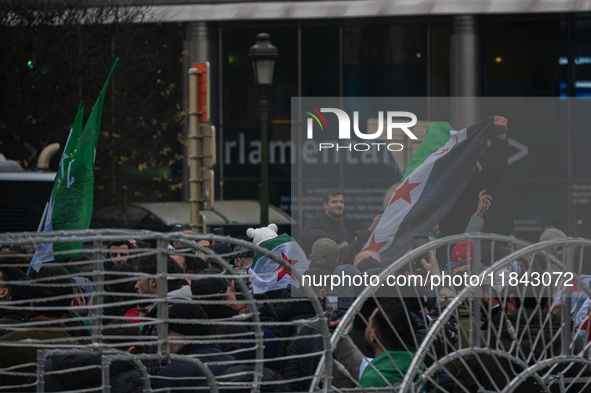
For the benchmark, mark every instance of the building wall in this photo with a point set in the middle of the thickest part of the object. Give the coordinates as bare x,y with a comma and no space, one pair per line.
520,56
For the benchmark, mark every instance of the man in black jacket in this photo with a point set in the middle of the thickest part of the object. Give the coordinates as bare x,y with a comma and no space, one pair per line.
328,223
181,374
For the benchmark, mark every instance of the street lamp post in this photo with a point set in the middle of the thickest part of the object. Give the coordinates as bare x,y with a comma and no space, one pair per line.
263,55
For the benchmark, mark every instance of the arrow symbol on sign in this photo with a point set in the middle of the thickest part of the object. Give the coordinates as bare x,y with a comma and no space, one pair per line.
523,150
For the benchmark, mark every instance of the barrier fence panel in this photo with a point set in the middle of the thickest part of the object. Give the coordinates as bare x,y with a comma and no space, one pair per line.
533,338
162,311
445,327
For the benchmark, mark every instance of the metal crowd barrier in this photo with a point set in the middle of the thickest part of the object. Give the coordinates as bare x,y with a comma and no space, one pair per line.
460,346
435,349
555,360
161,343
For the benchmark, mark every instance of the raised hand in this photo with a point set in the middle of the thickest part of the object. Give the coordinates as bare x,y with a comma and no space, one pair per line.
484,202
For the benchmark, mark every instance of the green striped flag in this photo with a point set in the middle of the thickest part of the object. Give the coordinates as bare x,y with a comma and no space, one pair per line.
71,202
437,136
267,275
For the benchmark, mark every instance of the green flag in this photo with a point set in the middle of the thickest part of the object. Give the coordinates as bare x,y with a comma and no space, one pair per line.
70,206
437,136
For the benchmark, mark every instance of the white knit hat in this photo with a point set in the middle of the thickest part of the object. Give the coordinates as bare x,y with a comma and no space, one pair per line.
261,234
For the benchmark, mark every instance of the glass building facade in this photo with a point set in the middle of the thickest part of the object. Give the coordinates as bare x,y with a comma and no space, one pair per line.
520,56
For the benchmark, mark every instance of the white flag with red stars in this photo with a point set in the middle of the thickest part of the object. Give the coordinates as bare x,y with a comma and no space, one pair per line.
432,183
267,275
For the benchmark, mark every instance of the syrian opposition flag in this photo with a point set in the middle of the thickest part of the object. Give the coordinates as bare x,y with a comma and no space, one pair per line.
267,275
71,202
432,183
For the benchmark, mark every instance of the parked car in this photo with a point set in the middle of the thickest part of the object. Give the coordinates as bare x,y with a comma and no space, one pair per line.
233,217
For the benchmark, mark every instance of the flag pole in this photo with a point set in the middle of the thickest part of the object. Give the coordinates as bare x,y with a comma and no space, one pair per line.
42,223
40,229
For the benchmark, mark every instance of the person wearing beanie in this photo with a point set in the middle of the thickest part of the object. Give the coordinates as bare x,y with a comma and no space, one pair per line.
329,222
459,258
460,252
325,254
553,234
259,235
183,328
325,247
243,255
220,249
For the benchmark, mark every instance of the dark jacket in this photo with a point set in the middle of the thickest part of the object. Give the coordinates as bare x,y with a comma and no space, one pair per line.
292,311
10,317
124,378
79,329
267,314
488,179
306,366
221,328
348,253
179,369
22,354
541,341
320,226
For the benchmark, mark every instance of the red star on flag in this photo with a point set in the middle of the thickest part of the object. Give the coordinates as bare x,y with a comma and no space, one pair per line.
404,192
282,270
455,136
373,246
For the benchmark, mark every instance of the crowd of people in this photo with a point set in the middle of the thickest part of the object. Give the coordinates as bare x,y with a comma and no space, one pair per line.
211,322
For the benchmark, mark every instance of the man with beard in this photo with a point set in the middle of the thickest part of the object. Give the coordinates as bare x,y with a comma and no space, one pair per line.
390,336
328,223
